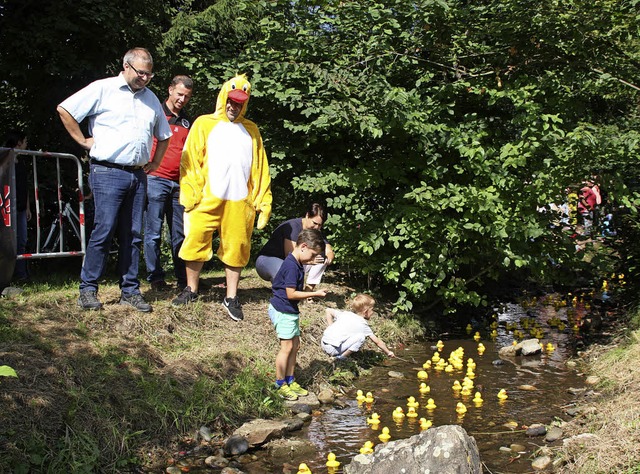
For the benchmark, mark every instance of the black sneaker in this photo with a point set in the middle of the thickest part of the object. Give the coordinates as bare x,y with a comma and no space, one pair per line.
187,296
89,300
232,305
137,301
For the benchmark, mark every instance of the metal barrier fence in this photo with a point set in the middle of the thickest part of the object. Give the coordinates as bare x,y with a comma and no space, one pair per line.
68,218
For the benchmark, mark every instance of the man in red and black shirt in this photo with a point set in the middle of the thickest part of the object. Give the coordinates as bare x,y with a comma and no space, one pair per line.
163,190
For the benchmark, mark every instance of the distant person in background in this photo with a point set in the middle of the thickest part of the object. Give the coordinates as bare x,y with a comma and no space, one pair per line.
124,116
163,190
589,199
17,139
283,241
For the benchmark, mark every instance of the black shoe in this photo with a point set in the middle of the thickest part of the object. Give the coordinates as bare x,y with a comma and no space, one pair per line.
232,305
187,296
137,301
89,300
159,285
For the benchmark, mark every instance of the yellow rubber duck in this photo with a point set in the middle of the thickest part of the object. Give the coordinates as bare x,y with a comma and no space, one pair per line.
467,382
440,365
481,348
448,368
430,404
440,345
368,398
470,373
374,419
466,391
425,424
303,469
502,394
411,412
471,363
398,414
476,336
461,409
494,325
331,460
436,357
384,436
550,347
424,388
411,403
456,386
469,328
494,333
426,365
360,396
422,375
477,398
367,448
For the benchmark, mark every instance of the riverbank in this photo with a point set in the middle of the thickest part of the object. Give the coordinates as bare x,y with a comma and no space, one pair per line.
607,427
104,391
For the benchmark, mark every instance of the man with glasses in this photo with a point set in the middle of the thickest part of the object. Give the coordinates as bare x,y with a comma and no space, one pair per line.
123,119
283,241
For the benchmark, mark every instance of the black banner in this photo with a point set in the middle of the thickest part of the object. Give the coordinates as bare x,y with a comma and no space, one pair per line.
7,216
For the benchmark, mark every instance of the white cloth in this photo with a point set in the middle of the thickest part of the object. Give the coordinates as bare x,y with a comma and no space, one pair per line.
346,325
123,123
230,149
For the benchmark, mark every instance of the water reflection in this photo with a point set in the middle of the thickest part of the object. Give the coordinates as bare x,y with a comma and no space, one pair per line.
536,388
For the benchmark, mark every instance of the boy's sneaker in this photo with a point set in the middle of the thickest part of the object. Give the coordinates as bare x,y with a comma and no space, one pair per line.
187,296
232,305
136,301
89,300
297,389
285,392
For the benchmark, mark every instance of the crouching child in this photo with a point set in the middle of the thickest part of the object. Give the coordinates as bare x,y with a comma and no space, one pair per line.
348,330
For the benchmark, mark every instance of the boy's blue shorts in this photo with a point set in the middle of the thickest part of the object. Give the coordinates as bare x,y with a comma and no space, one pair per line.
287,324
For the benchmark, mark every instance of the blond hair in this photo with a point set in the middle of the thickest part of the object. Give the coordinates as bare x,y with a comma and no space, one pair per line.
361,302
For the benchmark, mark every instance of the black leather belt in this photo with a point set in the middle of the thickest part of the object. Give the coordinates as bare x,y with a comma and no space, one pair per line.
108,164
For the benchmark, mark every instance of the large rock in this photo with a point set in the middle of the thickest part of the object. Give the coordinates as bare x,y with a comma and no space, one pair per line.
443,450
259,431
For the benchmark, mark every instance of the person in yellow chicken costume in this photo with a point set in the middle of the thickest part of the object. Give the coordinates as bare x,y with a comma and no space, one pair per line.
224,182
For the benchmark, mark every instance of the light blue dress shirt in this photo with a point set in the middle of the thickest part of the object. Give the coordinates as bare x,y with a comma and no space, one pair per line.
122,122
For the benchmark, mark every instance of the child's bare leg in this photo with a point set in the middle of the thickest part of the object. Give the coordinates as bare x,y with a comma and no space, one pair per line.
293,354
282,359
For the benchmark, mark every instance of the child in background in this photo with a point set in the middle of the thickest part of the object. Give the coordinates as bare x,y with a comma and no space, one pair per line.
287,288
350,329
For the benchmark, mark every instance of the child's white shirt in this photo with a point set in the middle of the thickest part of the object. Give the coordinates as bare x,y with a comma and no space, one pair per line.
345,325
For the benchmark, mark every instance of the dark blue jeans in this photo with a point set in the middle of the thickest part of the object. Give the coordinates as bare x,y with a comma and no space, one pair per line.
163,199
119,198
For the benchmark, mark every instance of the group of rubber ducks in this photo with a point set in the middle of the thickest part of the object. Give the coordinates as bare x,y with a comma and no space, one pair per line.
361,398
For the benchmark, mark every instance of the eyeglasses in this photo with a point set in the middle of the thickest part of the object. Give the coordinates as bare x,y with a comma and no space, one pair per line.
141,74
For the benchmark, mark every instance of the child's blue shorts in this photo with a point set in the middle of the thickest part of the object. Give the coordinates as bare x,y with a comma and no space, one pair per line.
287,324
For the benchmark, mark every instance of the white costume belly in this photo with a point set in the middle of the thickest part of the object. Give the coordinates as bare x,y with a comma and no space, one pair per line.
230,153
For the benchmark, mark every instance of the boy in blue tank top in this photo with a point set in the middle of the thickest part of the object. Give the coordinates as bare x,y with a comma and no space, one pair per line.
287,288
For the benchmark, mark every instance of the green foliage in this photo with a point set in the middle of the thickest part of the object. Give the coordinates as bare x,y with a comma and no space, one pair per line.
435,130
